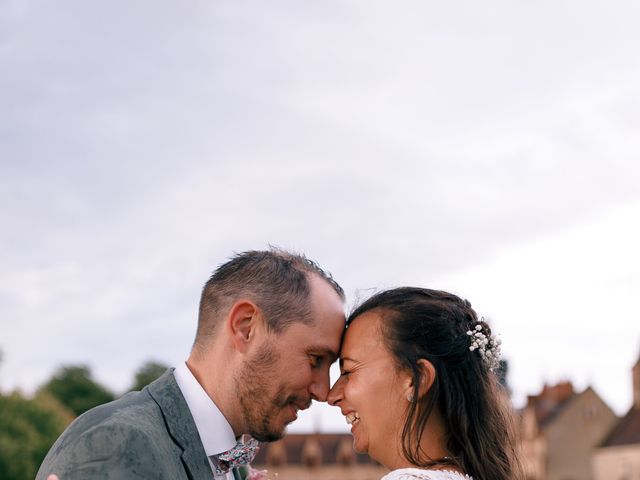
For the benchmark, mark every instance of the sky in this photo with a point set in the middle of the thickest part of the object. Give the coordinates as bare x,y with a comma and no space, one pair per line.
487,148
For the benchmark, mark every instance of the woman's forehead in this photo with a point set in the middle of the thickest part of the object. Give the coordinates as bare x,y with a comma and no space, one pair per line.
364,334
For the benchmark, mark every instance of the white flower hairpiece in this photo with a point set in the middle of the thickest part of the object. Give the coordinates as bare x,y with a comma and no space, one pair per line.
487,346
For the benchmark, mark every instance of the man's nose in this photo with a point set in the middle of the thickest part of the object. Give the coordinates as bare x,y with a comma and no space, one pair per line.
319,388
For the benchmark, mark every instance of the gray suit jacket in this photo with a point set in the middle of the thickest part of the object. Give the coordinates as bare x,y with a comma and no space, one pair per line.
147,434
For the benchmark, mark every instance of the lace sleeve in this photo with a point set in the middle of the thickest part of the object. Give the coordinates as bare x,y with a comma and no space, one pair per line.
398,476
418,474
405,474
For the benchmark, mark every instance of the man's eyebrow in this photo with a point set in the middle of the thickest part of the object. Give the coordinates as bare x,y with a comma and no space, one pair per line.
328,352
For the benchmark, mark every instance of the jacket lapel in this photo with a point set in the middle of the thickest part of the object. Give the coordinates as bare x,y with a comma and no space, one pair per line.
180,424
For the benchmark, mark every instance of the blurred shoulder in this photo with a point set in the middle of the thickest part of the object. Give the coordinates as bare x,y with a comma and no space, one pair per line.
128,434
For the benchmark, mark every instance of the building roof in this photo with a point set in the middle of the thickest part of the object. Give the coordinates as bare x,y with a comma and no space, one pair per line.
551,401
294,445
627,431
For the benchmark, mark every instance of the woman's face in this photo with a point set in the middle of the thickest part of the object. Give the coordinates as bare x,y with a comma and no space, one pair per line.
371,392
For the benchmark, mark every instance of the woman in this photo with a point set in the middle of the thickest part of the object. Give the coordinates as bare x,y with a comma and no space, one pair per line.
418,387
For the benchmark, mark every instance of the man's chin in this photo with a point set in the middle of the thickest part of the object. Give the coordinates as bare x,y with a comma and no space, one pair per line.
270,436
271,432
274,429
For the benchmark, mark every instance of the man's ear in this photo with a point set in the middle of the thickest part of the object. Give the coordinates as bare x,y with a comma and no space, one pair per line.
427,377
243,320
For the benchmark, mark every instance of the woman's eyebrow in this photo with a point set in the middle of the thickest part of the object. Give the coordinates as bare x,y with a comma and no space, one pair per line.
345,359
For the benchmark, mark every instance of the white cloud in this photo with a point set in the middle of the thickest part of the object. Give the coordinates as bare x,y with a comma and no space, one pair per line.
142,143
565,305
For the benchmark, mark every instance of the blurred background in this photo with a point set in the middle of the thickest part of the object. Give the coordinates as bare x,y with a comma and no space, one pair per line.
487,148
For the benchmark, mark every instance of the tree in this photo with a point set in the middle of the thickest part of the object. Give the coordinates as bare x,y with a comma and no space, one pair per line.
147,373
74,388
28,428
502,372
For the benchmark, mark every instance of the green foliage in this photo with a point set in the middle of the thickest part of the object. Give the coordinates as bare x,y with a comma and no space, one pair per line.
74,388
147,373
502,372
28,428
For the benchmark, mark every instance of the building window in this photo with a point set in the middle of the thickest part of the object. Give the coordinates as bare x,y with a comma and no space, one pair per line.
345,455
276,455
590,412
311,453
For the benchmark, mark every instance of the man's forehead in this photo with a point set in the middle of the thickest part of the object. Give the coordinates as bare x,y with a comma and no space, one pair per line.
314,337
322,346
324,298
330,353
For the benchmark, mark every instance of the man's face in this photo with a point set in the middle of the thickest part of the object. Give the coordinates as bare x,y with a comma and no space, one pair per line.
289,369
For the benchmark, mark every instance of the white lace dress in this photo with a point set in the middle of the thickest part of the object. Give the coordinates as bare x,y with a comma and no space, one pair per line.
420,474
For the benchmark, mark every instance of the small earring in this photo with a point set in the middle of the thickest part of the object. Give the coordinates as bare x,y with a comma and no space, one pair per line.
410,397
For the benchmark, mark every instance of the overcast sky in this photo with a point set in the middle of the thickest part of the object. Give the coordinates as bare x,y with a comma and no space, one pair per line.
490,148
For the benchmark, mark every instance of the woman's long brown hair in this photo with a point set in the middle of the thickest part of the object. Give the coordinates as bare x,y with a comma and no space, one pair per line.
430,324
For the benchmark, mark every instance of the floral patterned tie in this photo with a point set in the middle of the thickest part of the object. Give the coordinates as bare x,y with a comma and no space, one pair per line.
240,454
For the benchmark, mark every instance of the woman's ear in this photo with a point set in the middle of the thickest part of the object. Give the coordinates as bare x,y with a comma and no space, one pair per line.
427,377
243,321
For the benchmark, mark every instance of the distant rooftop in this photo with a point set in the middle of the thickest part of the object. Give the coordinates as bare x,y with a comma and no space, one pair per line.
550,401
627,431
309,449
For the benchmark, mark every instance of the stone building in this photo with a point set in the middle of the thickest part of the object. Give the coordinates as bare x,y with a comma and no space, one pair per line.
618,458
316,457
559,431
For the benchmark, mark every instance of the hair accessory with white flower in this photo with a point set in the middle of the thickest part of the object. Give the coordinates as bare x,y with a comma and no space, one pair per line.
486,344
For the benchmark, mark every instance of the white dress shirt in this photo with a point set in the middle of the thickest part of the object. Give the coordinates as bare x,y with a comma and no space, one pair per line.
215,432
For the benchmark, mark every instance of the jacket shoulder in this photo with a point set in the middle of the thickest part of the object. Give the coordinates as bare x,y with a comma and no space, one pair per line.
126,438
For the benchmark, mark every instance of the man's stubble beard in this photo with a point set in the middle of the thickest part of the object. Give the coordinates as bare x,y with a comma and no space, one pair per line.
252,385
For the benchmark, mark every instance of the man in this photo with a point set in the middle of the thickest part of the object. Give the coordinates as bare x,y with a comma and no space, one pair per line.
270,324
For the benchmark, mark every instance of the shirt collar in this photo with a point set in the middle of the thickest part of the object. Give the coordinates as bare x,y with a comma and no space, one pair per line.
215,432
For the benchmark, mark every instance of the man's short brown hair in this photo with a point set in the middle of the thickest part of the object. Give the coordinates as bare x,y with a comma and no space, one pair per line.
277,281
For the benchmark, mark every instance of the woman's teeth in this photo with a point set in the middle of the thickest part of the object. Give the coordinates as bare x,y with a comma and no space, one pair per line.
352,418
